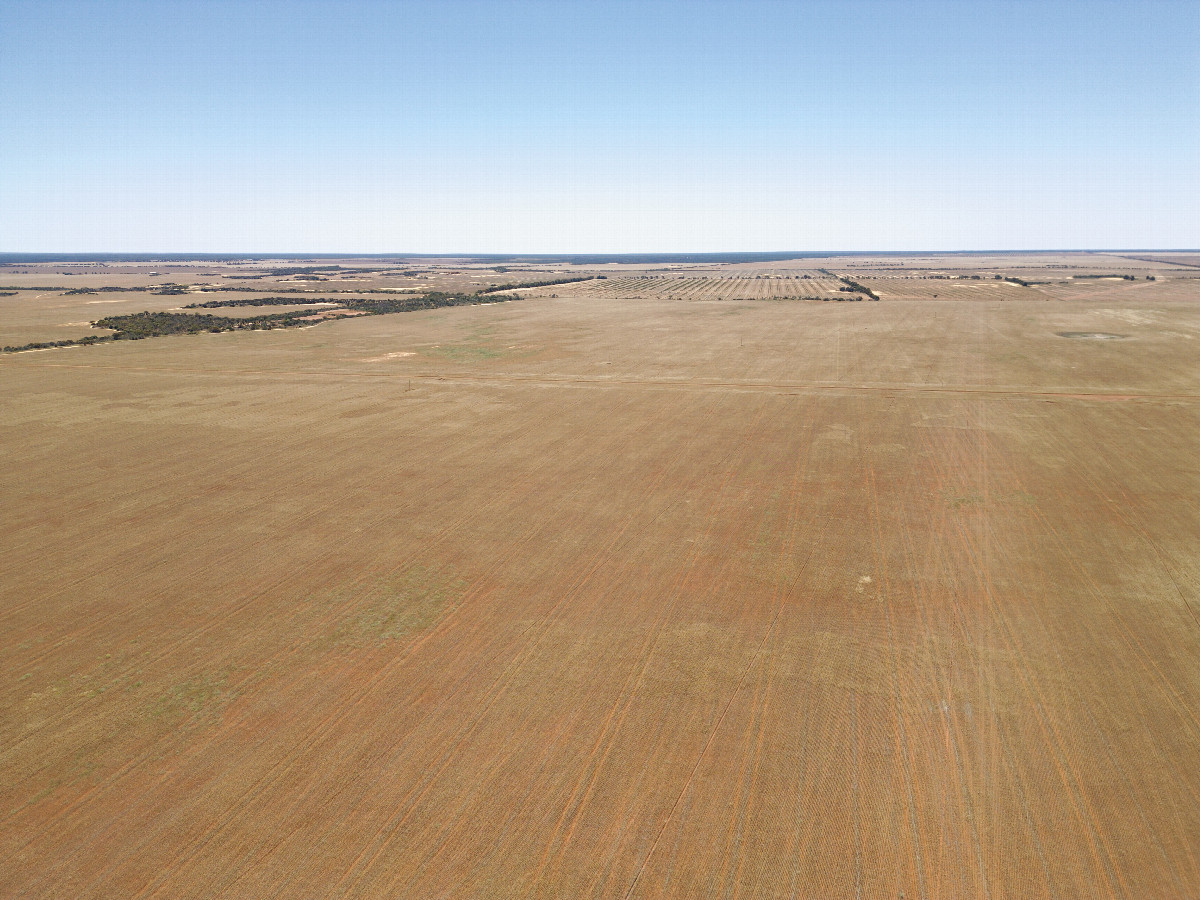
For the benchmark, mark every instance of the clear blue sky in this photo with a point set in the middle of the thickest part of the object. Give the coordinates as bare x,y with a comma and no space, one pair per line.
598,127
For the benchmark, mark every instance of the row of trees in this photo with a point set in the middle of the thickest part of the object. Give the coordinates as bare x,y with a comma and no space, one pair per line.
531,284
139,326
69,290
47,345
855,286
258,301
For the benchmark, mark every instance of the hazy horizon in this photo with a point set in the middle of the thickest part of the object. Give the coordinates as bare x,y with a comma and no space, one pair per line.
33,257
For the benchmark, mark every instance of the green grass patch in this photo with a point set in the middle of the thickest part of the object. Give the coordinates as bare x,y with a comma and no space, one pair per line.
388,608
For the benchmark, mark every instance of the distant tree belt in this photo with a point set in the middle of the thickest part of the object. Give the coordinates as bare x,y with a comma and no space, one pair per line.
373,305
855,286
46,345
207,289
138,326
1173,261
303,270
135,326
308,270
262,301
293,300
71,290
434,300
227,289
530,284
154,324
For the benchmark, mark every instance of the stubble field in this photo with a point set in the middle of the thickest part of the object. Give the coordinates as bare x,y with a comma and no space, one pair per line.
587,596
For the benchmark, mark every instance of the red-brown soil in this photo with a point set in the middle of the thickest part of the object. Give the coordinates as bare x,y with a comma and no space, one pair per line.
591,597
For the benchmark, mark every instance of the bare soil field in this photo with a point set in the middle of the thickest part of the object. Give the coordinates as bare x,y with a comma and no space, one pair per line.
598,597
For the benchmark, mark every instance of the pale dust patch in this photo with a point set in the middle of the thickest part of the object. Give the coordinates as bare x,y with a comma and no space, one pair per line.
198,700
1131,316
386,607
841,433
337,313
399,354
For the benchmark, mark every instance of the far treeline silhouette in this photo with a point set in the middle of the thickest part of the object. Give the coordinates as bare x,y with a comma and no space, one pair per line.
137,326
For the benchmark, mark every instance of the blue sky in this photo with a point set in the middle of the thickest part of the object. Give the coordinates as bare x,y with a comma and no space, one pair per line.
598,127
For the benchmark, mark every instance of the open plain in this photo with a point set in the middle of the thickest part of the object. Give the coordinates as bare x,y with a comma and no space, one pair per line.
656,585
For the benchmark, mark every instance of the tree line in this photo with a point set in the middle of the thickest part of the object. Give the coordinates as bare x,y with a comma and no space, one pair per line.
531,284
855,286
139,326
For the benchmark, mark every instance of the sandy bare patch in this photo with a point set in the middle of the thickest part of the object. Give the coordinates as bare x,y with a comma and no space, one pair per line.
47,349
1132,316
399,354
333,314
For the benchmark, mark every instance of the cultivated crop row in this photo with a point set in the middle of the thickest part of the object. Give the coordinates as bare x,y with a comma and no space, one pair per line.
753,287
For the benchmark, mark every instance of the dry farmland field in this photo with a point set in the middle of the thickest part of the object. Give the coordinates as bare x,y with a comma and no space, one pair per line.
655,585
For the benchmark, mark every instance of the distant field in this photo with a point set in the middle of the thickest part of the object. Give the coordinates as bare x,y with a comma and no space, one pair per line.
918,288
615,593
684,287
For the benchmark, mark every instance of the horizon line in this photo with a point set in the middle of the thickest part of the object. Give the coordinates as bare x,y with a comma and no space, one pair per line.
10,257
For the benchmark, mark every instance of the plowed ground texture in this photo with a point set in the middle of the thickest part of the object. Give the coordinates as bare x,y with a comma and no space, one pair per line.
583,597
705,287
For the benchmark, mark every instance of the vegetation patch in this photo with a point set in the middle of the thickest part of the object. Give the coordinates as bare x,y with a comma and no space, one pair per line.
533,284
958,501
195,700
389,607
50,345
138,326
854,286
